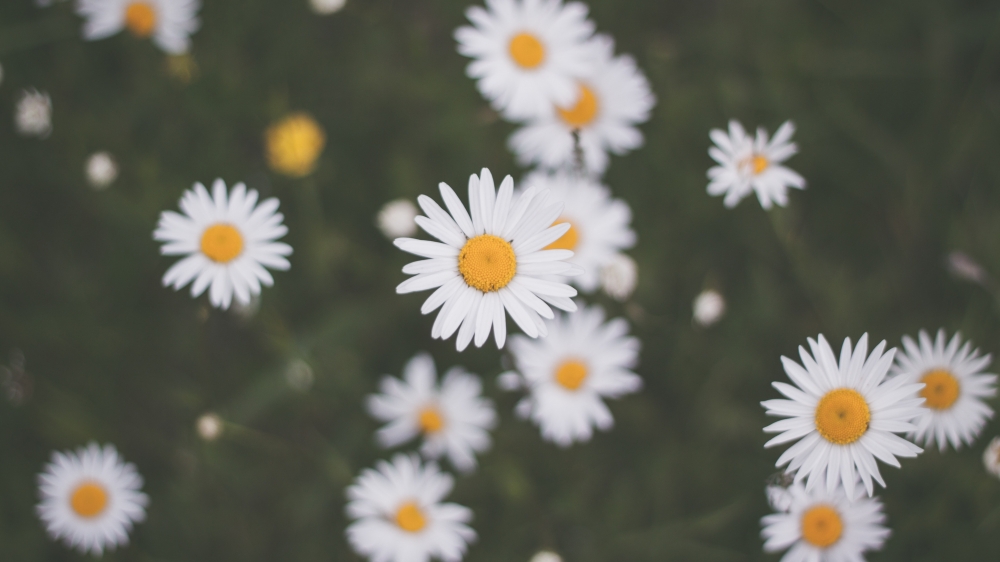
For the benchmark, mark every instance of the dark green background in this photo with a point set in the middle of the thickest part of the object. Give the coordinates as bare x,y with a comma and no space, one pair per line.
898,108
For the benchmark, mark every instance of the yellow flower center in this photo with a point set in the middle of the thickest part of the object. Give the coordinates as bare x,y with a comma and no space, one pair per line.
222,243
89,499
140,19
487,262
571,374
430,420
584,112
822,526
567,241
410,518
760,164
526,50
294,144
842,416
941,390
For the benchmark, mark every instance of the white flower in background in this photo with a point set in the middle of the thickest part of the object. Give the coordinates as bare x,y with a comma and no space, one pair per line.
209,426
842,417
227,239
612,100
955,388
33,115
991,457
709,307
619,277
599,226
822,526
546,556
569,373
91,498
454,419
490,262
399,515
528,53
779,498
326,7
753,164
169,23
101,170
395,219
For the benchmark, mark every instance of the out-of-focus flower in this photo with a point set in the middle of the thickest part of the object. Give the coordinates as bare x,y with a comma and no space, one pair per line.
101,170
454,418
325,7
489,263
228,240
294,145
991,457
33,116
546,556
91,498
399,516
753,164
964,267
619,277
955,388
779,498
395,219
169,23
209,426
709,307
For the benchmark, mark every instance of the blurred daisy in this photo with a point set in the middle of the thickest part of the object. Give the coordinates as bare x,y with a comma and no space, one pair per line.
528,53
399,515
599,226
822,526
227,239
490,262
91,498
101,170
747,163
454,418
169,23
568,374
991,457
395,219
294,145
955,388
33,114
619,277
709,307
612,100
842,417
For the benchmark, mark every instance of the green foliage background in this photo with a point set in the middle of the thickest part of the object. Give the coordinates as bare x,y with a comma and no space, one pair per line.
898,108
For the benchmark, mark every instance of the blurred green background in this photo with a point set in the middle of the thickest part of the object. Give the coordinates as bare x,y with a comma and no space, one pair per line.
898,108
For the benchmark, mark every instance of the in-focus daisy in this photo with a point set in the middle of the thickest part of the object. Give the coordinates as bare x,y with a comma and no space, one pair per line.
991,457
400,517
599,225
528,53
228,239
170,23
824,526
955,388
843,416
747,163
489,262
454,418
612,100
396,218
33,114
294,145
569,373
91,498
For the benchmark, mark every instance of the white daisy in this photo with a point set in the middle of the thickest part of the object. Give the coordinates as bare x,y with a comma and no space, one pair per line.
599,225
228,240
400,517
528,53
101,170
490,262
91,498
169,22
580,362
33,115
844,416
709,307
612,100
454,418
395,219
954,410
747,163
991,457
824,526
619,277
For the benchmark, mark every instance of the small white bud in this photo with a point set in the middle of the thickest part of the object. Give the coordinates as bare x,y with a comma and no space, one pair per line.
325,7
33,116
209,427
396,219
101,170
619,277
546,556
709,307
991,458
299,375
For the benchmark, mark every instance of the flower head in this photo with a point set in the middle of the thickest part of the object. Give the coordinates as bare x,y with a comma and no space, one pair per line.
101,170
169,23
747,163
709,307
294,145
396,218
33,116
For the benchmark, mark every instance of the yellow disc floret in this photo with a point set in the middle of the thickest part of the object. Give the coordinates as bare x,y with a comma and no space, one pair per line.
430,420
567,241
822,526
410,518
140,18
526,50
760,163
842,416
222,243
941,390
89,499
294,144
487,263
571,374
584,112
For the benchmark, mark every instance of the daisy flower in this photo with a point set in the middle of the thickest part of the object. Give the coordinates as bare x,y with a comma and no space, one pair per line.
619,277
489,262
747,163
825,526
91,498
612,100
454,418
33,116
395,218
842,417
228,240
954,388
568,374
169,22
528,53
399,515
